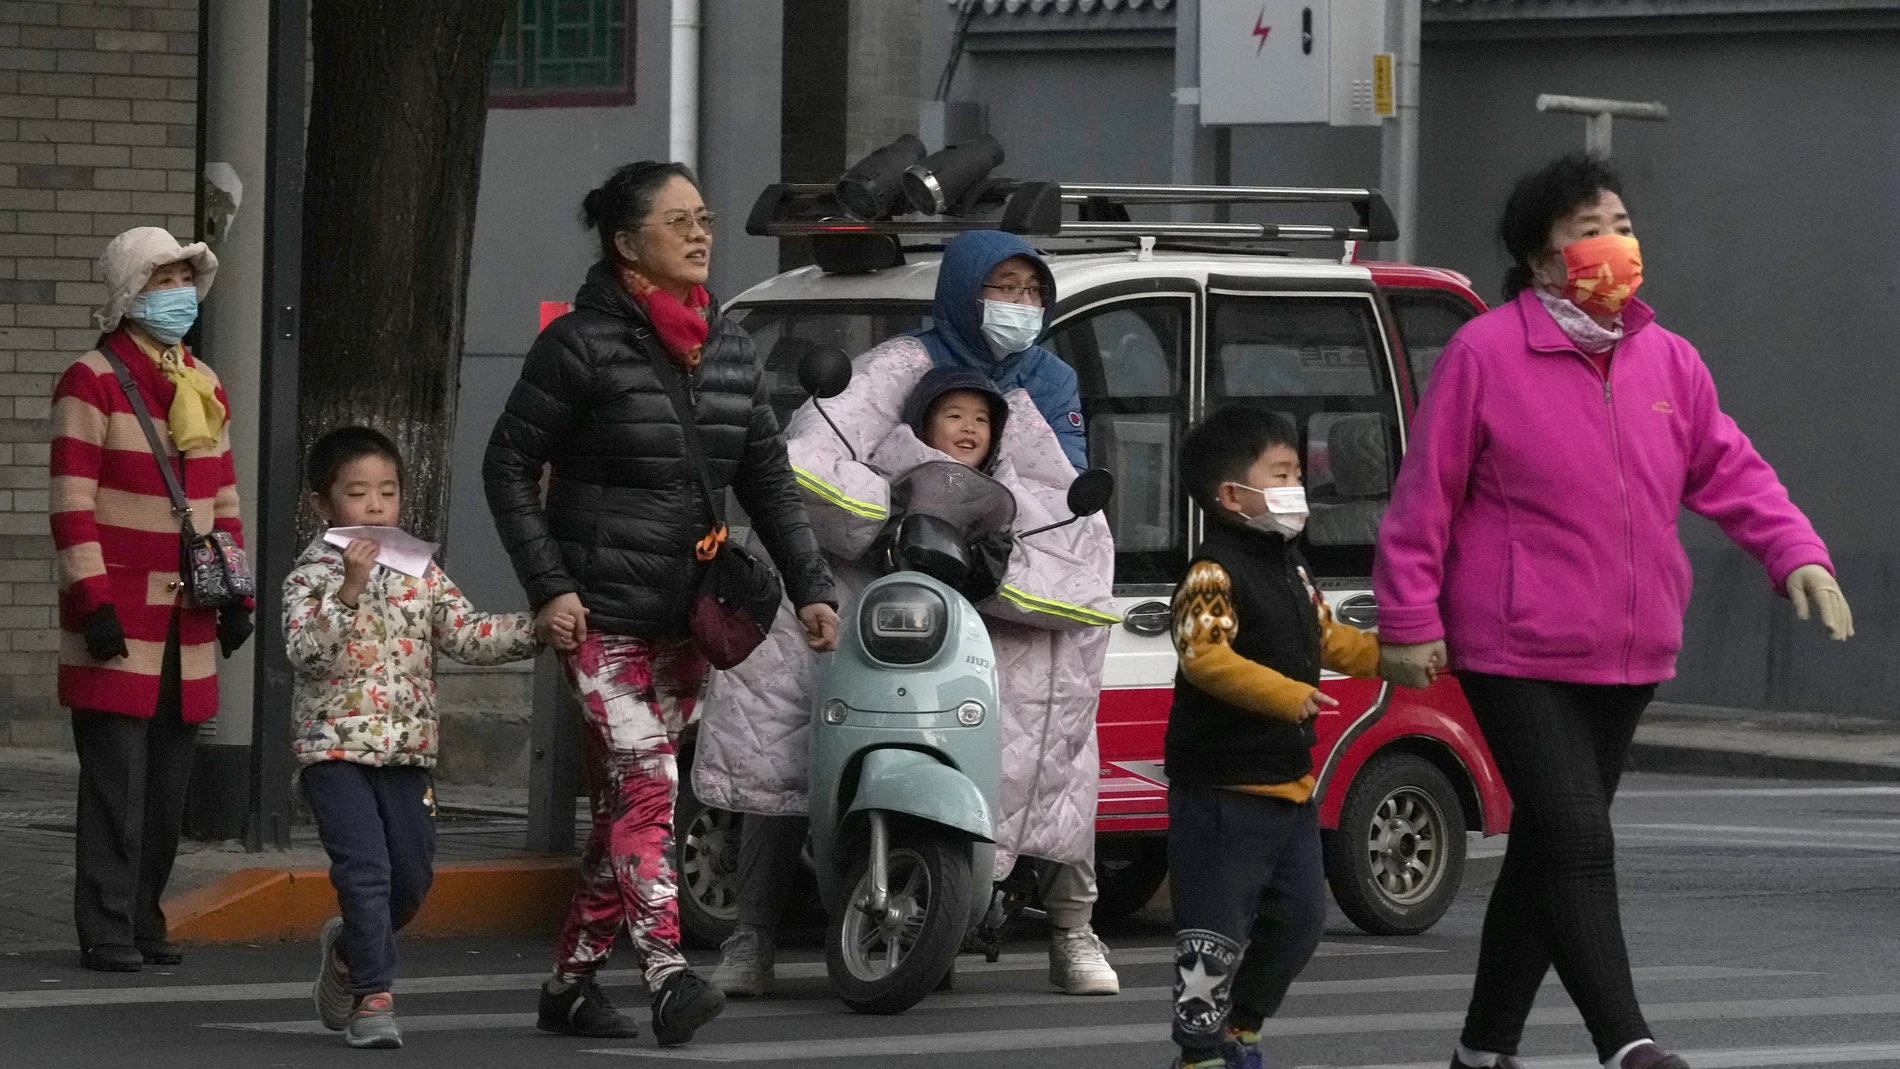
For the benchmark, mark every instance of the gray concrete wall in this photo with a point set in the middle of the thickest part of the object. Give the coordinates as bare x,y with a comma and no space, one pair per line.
1766,210
1766,207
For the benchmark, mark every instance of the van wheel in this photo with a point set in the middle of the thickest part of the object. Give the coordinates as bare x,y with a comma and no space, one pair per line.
707,868
1128,872
1398,856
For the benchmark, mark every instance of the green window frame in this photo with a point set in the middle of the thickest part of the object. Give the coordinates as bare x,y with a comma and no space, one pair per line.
564,53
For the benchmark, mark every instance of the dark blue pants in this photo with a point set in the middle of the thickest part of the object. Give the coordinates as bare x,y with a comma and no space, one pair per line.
1249,903
378,826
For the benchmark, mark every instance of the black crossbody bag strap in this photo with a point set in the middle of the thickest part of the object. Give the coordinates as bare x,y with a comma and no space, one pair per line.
672,381
180,507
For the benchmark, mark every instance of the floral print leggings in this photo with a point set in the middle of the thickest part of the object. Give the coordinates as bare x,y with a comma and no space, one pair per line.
635,697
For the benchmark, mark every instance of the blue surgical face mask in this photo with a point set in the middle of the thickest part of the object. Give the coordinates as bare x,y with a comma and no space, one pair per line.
166,314
1010,328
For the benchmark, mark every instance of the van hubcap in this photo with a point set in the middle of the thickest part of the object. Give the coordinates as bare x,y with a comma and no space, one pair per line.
1406,846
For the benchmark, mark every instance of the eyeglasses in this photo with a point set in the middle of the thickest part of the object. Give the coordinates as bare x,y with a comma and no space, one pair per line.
1013,291
682,223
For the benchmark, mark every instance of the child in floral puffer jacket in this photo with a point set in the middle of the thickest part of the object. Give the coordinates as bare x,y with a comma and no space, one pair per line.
362,638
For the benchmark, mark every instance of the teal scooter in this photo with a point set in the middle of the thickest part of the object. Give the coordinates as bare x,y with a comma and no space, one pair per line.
907,735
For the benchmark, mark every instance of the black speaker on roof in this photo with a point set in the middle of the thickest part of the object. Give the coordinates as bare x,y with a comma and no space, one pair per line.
940,182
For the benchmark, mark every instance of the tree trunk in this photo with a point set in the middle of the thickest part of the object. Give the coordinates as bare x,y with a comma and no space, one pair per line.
397,112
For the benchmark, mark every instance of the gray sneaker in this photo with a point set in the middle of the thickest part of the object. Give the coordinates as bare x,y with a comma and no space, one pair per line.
745,964
373,1023
331,991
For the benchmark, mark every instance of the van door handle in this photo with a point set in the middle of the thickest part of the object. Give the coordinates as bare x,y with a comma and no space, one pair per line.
1149,618
1360,610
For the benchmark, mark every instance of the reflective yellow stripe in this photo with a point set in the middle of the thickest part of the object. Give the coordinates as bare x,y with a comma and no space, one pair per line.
830,493
1030,603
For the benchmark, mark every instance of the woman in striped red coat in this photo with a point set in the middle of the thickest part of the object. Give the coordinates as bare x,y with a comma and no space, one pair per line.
136,664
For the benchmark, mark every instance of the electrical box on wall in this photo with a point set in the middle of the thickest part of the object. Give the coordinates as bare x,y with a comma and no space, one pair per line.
1290,61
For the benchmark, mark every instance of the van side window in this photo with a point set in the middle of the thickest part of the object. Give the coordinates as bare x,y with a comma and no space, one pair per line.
1427,320
784,333
1320,363
1127,355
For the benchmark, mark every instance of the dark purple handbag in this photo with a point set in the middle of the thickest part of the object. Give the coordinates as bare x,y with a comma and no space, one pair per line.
739,595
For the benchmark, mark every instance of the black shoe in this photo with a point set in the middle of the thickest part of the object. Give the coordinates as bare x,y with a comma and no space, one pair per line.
1505,1061
112,957
1650,1056
161,953
583,1010
683,1006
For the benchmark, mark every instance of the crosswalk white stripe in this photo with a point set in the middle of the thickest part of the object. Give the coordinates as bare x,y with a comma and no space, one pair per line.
1764,829
1736,840
957,1002
435,985
1738,1058
1157,1032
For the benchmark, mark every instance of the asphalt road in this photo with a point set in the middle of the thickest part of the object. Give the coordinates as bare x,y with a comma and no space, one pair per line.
1761,917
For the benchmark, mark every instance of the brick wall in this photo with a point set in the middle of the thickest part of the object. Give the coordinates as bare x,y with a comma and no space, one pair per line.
881,101
98,111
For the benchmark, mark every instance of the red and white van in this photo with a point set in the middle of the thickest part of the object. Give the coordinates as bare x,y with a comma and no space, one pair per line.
1158,335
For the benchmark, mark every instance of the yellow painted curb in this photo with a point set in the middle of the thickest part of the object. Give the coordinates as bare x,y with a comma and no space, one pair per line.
521,897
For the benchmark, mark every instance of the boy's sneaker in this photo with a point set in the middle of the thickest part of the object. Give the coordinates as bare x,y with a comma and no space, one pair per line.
373,1023
683,1005
583,1010
331,991
1078,963
1242,1050
745,964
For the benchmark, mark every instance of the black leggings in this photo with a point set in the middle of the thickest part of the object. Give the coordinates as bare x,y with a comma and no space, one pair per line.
1561,748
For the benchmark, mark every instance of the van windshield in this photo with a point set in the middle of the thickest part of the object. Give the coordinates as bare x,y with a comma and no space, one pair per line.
785,332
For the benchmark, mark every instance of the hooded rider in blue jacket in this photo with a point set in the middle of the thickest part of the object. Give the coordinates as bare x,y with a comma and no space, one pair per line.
993,293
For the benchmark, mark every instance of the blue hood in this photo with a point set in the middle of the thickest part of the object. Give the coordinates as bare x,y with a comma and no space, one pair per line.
955,338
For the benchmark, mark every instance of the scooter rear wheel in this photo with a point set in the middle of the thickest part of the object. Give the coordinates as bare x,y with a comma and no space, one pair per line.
887,965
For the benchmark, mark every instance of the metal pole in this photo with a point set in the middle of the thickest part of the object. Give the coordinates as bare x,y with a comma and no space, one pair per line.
554,761
1404,131
275,541
1598,113
683,84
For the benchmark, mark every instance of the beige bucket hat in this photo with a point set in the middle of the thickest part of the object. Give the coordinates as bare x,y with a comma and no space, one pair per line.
130,259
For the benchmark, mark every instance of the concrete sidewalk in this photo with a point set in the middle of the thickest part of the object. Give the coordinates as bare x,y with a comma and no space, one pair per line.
477,825
1716,741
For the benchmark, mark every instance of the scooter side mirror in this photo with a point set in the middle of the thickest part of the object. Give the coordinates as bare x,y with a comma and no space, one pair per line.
1090,491
1088,495
824,371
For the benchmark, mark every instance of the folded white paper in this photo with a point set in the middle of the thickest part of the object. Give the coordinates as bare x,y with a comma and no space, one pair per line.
400,550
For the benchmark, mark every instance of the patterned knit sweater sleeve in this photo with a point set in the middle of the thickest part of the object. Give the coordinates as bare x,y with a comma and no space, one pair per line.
1205,625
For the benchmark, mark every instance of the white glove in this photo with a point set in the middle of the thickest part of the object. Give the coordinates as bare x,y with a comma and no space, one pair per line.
1813,583
1416,665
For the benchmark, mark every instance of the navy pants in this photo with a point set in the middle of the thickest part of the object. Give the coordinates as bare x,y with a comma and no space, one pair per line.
1249,906
378,826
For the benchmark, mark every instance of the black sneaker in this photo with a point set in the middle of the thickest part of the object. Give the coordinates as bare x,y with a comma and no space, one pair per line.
112,957
583,1010
1651,1056
683,1006
1505,1061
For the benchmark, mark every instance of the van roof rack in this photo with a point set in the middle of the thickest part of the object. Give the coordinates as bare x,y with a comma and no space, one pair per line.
1037,209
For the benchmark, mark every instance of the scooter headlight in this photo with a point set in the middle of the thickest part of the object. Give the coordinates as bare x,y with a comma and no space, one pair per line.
903,623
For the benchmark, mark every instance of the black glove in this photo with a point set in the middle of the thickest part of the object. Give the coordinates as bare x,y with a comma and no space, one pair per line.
234,628
989,561
105,639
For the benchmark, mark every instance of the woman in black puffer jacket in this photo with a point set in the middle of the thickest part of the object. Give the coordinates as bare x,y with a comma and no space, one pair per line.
611,552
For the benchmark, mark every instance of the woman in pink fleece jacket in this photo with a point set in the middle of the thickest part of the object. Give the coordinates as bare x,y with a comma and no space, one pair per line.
1531,547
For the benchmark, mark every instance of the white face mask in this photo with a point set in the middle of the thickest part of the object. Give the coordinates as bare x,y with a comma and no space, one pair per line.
1286,510
1010,328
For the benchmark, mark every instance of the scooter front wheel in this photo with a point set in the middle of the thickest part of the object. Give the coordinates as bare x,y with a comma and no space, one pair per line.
887,962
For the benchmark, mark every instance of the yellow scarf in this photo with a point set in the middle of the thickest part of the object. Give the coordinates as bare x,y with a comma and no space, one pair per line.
196,416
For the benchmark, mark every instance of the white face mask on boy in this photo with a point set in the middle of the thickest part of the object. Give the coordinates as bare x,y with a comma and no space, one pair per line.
1286,510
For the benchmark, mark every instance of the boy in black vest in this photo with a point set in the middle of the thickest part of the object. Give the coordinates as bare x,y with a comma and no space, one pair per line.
1243,832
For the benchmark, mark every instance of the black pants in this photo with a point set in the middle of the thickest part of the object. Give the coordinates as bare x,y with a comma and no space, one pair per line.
1561,748
1249,903
133,772
378,826
768,866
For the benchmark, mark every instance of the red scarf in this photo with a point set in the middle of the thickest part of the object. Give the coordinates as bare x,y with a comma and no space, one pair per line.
681,325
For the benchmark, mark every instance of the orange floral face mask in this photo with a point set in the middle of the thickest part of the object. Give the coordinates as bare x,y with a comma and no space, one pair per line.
1604,272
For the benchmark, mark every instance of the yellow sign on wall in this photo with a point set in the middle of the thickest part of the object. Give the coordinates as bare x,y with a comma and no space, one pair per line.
1382,94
